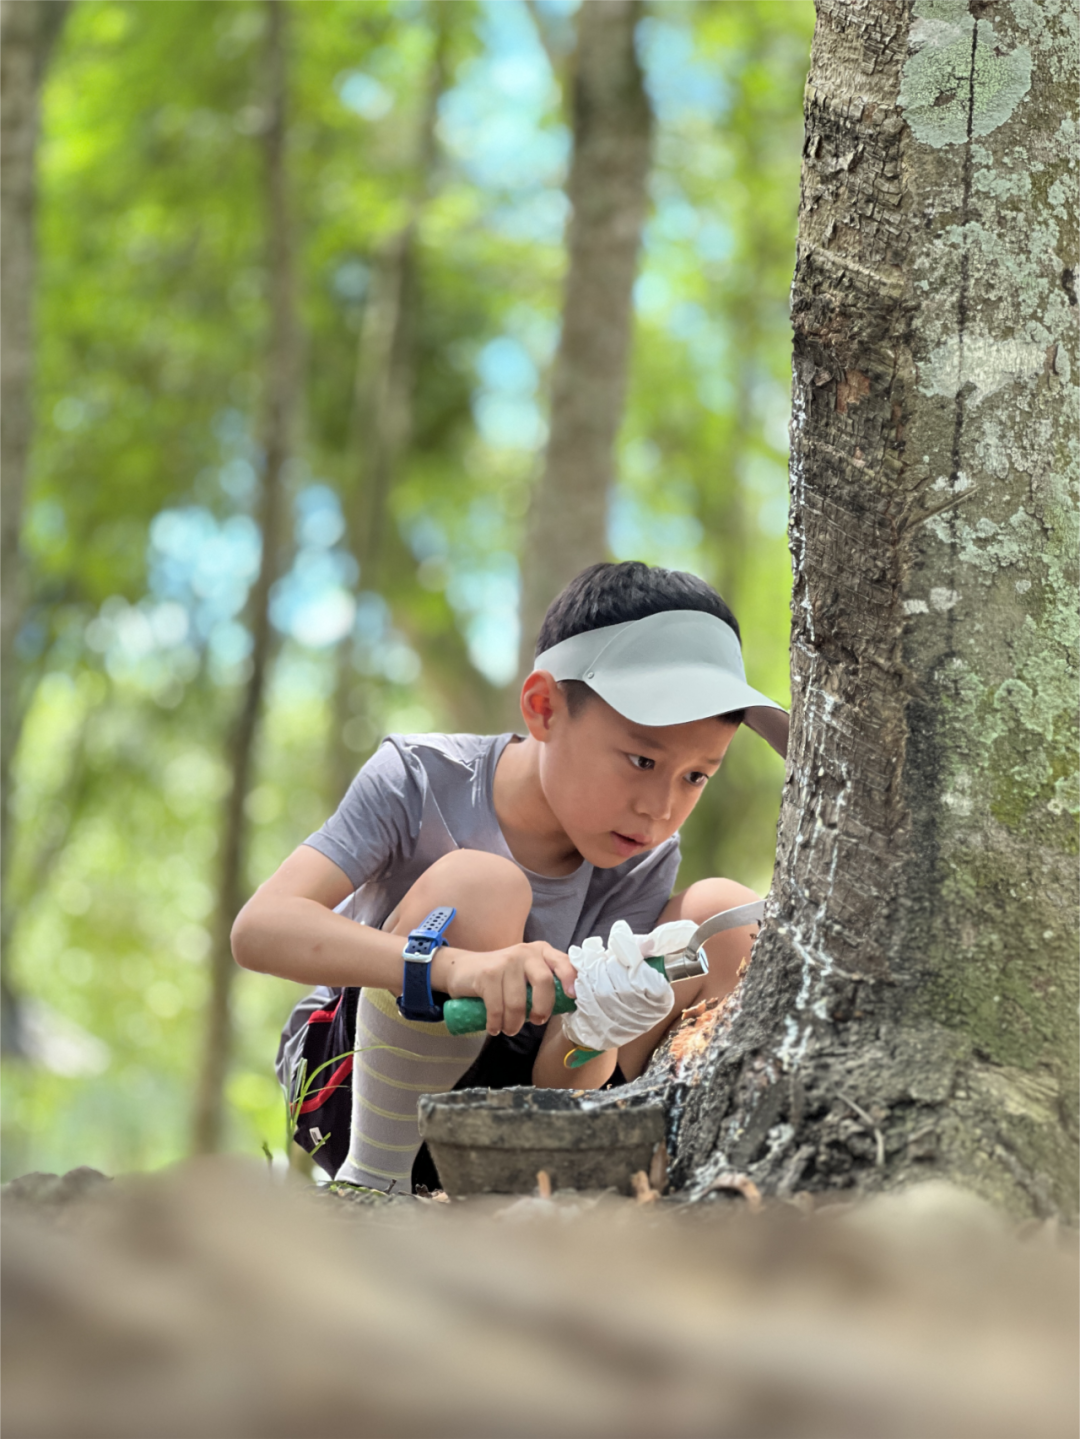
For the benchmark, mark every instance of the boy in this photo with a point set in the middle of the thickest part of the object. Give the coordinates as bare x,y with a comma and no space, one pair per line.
539,841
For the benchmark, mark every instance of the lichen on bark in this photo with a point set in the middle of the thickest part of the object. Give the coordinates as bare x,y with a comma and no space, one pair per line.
957,80
910,1008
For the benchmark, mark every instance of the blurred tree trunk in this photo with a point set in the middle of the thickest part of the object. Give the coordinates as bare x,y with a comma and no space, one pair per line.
28,31
567,524
559,56
723,508
382,422
281,402
910,1010
382,401
747,797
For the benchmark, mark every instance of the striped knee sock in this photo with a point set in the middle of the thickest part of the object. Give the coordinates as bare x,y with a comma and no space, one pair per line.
396,1061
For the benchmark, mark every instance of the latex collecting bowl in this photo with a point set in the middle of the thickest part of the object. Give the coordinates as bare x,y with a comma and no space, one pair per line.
495,1141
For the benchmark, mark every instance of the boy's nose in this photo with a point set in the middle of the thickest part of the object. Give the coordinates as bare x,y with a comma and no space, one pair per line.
655,803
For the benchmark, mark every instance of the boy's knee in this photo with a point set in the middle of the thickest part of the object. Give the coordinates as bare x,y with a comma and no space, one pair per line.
706,897
491,895
472,876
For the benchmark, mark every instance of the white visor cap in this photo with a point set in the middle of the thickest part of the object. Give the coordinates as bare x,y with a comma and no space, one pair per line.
669,668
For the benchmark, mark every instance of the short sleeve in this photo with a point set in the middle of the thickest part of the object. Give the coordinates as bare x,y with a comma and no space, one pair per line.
377,824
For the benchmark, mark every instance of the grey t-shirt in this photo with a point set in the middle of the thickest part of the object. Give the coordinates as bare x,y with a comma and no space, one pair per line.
422,796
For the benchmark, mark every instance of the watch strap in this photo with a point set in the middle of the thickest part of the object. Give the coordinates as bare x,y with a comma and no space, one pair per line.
416,1001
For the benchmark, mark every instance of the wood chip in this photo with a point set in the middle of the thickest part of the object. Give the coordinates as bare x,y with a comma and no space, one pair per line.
643,1190
543,1184
658,1168
741,1184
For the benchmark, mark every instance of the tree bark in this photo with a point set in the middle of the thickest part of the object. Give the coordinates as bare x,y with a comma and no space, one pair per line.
567,524
28,31
280,408
910,1007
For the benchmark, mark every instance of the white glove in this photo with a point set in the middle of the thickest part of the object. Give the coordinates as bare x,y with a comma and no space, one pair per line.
618,995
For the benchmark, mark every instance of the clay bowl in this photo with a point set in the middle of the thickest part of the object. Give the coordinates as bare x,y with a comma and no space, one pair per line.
494,1141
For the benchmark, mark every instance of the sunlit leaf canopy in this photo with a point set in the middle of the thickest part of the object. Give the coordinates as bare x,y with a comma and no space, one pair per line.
151,315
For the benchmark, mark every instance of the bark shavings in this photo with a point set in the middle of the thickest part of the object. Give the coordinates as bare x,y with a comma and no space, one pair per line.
691,1038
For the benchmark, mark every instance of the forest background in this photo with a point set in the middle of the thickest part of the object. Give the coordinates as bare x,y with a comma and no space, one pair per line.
141,536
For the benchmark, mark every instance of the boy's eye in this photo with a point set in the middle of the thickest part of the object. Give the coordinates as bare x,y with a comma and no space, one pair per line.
641,761
697,777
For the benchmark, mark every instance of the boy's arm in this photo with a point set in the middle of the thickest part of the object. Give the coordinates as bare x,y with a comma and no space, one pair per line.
288,928
549,1072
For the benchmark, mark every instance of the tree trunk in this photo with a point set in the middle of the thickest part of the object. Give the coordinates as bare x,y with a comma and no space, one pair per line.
281,404
910,1009
382,405
28,30
567,524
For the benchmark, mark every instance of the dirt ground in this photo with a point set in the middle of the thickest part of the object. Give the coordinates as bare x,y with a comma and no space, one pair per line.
212,1301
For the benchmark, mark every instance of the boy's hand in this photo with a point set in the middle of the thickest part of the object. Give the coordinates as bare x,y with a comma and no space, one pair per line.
612,1010
499,977
619,997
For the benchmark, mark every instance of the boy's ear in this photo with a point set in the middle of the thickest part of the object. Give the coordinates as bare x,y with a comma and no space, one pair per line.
541,701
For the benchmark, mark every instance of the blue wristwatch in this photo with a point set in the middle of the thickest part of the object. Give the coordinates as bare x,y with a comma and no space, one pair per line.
416,1000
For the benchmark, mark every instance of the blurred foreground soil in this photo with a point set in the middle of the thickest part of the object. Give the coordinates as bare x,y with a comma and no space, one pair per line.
209,1301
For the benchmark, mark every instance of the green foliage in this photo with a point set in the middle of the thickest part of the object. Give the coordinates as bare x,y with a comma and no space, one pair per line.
151,319
706,434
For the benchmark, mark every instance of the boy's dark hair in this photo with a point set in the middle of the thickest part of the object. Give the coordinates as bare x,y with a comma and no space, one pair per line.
612,594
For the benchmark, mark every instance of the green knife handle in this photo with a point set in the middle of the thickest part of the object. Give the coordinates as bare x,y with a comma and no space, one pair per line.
469,1016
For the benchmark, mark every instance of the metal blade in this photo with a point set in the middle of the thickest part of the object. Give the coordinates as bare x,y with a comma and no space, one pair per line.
728,919
685,963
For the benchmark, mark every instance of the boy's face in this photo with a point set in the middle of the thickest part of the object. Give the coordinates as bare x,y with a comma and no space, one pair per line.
618,788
